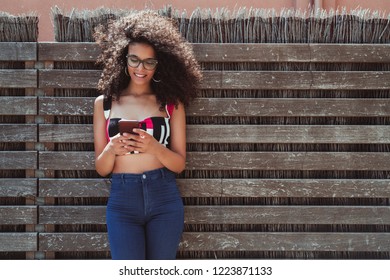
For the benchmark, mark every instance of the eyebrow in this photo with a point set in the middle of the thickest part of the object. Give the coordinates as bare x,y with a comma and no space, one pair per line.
130,54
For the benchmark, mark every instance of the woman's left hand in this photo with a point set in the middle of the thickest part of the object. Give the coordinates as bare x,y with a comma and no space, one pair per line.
143,142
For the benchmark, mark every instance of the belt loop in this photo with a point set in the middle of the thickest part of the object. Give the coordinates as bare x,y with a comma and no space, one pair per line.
123,178
162,170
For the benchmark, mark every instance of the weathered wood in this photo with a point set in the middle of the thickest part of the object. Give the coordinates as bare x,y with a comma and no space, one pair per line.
66,133
311,215
251,107
18,187
18,160
276,80
367,53
319,188
359,53
234,241
289,107
240,161
330,188
59,51
65,106
18,51
72,215
288,134
54,78
66,161
18,215
292,53
18,78
74,187
299,80
356,134
18,133
18,242
13,105
275,241
77,242
288,161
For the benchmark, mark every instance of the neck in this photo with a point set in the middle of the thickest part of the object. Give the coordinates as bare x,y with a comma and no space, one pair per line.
136,90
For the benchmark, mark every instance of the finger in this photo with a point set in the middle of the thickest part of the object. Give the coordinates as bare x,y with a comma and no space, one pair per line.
141,133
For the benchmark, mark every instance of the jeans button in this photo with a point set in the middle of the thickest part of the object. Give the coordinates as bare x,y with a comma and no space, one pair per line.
143,176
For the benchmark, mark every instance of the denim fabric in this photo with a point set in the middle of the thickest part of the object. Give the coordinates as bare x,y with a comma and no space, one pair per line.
145,215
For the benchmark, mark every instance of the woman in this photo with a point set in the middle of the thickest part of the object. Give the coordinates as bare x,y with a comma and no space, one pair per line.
150,75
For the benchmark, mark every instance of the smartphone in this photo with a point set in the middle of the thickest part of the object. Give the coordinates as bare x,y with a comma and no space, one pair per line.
128,126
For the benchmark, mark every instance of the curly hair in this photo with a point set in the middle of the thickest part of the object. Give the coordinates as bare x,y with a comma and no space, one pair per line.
177,69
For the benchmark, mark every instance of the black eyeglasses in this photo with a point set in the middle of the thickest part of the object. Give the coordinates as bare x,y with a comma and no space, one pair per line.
134,61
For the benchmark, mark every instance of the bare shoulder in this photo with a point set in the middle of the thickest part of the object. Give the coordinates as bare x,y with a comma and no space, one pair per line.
99,100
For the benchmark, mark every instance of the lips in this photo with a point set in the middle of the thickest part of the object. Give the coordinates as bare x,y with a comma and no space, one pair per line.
139,75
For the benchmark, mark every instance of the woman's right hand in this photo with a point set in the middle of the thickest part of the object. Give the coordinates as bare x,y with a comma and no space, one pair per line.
118,145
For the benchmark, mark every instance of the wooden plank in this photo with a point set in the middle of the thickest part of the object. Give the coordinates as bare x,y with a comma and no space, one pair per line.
18,242
241,161
366,53
309,215
359,53
307,134
324,215
18,78
18,215
18,51
18,187
275,80
18,160
311,188
289,107
214,52
66,161
77,79
67,215
288,161
340,134
234,241
77,242
318,188
66,106
250,107
300,80
13,105
252,52
75,51
19,133
74,187
289,241
55,133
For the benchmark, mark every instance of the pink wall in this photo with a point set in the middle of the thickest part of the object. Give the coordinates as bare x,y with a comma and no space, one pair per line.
43,7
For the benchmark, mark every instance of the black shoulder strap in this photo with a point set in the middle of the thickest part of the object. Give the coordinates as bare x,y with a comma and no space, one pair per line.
107,101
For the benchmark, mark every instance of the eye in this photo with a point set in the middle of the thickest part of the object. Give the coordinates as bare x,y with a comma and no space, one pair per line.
133,58
151,62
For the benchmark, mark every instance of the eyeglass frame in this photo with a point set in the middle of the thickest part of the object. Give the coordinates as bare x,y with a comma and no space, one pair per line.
141,61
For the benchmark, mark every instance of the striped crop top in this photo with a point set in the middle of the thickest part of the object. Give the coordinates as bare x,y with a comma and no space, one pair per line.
158,127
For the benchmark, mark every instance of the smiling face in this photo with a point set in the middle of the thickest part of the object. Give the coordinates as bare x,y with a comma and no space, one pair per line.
146,54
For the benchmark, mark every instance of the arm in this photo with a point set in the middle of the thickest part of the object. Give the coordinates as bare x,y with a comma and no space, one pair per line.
105,152
174,158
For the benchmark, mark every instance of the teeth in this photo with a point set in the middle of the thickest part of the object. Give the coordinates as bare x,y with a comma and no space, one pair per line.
139,75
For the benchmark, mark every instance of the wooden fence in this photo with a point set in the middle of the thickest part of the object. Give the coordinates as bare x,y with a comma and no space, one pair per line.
324,118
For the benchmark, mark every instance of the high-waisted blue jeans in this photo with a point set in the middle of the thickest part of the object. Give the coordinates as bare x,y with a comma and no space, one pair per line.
145,215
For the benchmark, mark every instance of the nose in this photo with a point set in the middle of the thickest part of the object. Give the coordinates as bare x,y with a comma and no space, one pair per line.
141,66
